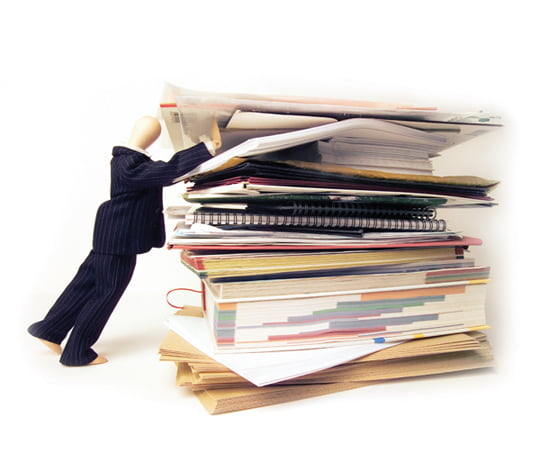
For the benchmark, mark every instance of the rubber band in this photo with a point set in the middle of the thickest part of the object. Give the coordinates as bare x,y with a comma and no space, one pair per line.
177,290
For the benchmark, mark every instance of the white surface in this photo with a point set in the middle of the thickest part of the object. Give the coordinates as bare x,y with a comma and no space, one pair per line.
73,81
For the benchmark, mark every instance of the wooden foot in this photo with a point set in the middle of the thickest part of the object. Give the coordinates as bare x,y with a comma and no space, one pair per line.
56,348
99,360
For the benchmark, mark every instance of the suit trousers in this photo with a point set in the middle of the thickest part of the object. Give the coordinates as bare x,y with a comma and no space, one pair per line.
85,306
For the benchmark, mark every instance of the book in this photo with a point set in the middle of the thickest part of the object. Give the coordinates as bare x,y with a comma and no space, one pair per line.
371,316
214,239
231,287
237,265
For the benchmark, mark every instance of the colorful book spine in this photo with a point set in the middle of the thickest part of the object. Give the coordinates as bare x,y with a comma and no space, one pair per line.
370,316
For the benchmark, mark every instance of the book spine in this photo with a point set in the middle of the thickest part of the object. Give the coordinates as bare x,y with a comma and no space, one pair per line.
221,218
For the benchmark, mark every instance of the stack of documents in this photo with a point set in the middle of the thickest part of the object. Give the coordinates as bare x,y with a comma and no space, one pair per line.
315,236
219,381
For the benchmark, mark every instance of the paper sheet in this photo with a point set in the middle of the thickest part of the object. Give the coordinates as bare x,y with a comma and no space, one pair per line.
375,130
265,368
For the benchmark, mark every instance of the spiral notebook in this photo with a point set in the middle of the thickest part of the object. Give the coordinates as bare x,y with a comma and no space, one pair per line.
412,220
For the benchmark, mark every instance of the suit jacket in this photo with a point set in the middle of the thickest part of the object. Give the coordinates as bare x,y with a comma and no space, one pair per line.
132,222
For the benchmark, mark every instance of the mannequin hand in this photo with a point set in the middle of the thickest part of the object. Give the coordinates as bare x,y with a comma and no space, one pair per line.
215,134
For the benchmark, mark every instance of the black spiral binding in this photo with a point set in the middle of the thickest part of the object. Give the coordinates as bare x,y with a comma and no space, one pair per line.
223,218
355,209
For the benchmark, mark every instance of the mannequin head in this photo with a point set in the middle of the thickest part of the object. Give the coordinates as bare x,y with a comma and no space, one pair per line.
145,131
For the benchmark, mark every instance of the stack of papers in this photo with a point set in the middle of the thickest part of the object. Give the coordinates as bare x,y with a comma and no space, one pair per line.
234,382
317,242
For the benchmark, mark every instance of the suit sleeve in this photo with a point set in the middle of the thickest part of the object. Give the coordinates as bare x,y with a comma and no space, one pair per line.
137,174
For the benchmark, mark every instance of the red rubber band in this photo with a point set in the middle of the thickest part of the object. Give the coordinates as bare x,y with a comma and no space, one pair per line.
177,290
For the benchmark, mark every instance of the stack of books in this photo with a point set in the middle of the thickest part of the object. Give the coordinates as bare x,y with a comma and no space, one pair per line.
322,261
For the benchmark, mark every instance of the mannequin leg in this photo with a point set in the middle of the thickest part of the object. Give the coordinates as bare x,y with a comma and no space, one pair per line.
62,315
112,276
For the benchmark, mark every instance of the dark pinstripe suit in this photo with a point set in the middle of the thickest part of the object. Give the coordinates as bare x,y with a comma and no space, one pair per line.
130,223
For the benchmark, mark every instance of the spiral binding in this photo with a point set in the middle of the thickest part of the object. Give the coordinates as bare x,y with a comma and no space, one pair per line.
354,209
222,218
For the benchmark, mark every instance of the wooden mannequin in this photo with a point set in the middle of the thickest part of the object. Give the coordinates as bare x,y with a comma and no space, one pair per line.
136,179
144,133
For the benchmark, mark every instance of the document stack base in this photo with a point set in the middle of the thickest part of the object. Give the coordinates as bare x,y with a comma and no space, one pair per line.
222,391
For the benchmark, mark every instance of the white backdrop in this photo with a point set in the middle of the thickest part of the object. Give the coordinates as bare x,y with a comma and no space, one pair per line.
75,78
